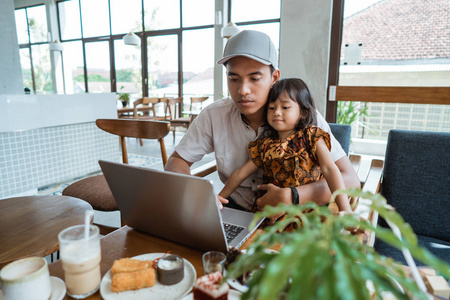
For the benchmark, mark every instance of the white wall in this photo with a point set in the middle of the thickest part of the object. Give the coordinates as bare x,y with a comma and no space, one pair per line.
10,72
305,44
26,112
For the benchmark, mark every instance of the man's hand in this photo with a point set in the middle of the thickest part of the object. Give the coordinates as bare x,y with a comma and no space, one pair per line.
221,201
273,196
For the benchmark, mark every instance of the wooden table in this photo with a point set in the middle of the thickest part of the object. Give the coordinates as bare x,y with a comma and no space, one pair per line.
29,226
129,111
127,242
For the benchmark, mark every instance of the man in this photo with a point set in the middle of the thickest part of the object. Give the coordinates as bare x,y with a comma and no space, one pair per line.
228,125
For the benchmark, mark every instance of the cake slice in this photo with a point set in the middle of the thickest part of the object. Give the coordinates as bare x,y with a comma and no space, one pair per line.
209,287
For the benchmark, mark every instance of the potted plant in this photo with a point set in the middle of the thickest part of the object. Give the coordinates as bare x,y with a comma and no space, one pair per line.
349,112
319,261
124,97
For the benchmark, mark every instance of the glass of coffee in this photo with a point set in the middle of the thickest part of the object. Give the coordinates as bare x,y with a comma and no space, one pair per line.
80,256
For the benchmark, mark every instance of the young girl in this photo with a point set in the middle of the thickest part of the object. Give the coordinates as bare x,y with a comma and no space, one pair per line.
295,151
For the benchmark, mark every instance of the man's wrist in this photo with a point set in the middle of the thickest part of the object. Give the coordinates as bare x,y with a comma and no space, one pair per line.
295,196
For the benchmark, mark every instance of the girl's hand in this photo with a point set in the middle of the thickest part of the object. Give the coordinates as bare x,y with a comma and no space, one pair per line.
355,230
221,201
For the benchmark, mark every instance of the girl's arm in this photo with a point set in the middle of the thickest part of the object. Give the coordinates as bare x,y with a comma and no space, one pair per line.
237,177
332,175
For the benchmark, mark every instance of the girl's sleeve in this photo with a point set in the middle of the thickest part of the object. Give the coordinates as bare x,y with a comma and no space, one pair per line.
313,134
255,149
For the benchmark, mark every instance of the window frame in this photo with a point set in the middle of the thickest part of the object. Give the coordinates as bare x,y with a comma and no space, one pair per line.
29,44
143,34
390,94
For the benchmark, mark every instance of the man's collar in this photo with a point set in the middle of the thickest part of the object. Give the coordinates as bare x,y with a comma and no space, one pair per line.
246,123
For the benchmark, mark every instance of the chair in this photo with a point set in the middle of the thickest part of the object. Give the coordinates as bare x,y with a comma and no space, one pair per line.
148,105
197,100
342,133
416,182
95,189
174,107
372,184
177,103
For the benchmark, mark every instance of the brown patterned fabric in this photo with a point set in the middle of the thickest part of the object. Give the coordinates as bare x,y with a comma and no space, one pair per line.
290,162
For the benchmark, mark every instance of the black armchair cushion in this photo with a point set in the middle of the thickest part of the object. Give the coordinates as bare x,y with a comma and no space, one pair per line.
416,181
342,133
439,248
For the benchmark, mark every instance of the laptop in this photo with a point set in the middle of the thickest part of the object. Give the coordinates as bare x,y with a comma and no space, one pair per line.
176,207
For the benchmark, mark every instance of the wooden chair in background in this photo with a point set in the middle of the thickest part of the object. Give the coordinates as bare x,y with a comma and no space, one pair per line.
177,105
148,109
95,189
174,107
195,102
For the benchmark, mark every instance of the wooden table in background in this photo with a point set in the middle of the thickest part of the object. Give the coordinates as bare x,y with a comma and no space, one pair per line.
29,226
129,111
127,242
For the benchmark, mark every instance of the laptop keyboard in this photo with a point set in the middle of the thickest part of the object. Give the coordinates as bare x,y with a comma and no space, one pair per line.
232,231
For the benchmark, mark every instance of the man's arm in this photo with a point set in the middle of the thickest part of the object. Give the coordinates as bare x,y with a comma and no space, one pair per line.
320,193
317,192
178,164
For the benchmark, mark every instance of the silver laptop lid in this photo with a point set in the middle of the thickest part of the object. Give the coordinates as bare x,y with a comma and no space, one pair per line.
173,206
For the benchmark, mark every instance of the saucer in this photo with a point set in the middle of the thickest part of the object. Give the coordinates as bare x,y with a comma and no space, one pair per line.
232,295
58,289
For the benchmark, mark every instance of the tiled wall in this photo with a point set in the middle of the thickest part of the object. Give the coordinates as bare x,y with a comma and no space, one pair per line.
39,157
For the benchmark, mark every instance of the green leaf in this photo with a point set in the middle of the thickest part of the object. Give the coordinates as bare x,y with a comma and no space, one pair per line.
318,261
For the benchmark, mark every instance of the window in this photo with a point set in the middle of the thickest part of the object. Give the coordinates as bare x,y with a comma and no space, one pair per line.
161,14
194,16
162,63
255,10
31,24
95,18
42,68
73,68
95,59
69,20
198,62
126,16
98,67
128,69
384,48
37,24
25,62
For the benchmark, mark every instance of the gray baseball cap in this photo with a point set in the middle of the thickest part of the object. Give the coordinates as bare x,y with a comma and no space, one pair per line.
252,44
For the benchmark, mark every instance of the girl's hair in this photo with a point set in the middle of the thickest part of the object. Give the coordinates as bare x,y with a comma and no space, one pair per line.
297,90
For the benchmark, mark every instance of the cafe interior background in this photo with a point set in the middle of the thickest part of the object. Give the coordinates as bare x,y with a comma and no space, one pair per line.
72,57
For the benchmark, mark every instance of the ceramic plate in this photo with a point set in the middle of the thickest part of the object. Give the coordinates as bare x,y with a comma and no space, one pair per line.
232,295
236,284
58,289
158,291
